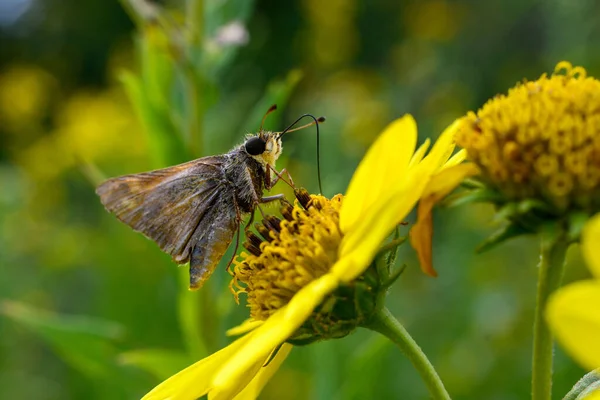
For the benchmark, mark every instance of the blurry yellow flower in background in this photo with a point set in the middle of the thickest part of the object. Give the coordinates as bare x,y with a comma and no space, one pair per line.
48,137
90,127
50,132
26,93
573,311
322,248
435,20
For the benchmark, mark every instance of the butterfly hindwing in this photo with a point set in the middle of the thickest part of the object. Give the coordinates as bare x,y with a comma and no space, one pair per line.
211,239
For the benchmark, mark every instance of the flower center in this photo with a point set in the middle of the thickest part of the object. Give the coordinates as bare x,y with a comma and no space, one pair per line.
289,254
541,141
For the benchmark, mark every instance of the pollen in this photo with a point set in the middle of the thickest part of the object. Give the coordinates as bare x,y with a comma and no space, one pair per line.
288,253
541,140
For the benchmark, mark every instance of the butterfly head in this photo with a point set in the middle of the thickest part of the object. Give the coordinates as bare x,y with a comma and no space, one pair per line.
265,147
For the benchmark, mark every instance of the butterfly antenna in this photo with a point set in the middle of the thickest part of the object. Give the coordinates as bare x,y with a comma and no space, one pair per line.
316,121
269,111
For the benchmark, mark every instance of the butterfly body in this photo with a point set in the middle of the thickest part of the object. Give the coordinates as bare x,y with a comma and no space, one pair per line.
193,210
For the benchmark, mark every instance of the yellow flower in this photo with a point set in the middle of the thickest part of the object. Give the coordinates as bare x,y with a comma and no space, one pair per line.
540,141
573,312
387,184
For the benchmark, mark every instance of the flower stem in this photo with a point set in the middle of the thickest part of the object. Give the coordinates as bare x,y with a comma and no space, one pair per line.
552,261
384,322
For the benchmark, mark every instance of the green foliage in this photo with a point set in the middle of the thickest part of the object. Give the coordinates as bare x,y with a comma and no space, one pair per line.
158,362
86,343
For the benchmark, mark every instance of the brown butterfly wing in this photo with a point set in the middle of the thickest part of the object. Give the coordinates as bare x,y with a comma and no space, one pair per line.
211,239
169,205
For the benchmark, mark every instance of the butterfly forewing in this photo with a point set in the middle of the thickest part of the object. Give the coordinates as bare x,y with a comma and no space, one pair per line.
172,205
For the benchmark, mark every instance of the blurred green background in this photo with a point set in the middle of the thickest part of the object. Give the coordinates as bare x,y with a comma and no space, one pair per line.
90,309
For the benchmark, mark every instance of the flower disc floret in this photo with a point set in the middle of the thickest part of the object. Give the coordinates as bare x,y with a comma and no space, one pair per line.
294,251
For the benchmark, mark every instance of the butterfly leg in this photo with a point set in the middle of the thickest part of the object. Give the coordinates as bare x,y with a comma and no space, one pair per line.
278,175
237,239
268,199
250,220
262,200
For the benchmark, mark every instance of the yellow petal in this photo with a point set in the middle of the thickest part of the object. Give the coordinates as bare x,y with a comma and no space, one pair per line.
442,183
195,380
420,153
589,245
443,147
456,159
360,245
392,207
235,386
573,315
439,187
275,330
388,207
386,159
246,326
264,375
595,395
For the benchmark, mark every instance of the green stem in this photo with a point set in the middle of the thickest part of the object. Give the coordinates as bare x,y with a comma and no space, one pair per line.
552,261
195,81
385,323
190,311
195,21
139,11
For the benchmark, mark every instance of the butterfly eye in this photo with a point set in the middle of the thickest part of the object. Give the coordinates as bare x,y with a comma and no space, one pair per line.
255,146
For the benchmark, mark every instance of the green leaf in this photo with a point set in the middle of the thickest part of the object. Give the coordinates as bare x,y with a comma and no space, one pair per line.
391,258
533,205
507,232
386,257
577,221
506,212
157,66
83,342
278,92
478,195
472,183
166,147
160,363
220,13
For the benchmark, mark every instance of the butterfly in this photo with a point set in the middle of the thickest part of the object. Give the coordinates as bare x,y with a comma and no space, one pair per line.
193,210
